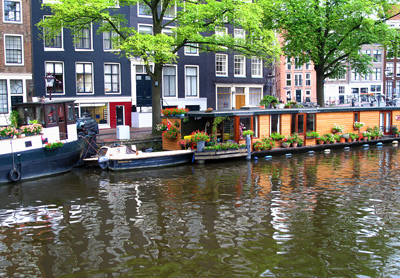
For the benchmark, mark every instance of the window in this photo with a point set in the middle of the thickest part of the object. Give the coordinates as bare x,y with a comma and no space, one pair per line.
248,123
355,75
169,81
255,96
221,31
143,9
83,39
288,63
54,43
239,34
223,98
145,29
3,97
367,77
308,65
256,67
389,69
389,89
341,90
297,64
191,49
389,54
398,69
308,79
298,79
366,52
191,79
111,78
275,123
378,55
397,88
84,78
12,11
376,88
239,66
16,87
13,47
356,117
221,65
377,74
108,40
170,11
55,85
288,79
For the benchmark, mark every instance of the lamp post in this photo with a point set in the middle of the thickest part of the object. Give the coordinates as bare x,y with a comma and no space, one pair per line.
387,73
50,80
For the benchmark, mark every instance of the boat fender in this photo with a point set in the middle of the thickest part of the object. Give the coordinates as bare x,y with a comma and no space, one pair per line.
14,175
379,144
366,146
327,150
267,157
288,155
193,159
346,148
395,142
255,158
310,152
103,162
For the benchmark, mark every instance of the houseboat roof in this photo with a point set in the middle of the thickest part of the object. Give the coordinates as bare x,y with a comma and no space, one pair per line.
259,111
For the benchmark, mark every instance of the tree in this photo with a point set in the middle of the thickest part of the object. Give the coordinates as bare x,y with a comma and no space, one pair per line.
175,24
330,33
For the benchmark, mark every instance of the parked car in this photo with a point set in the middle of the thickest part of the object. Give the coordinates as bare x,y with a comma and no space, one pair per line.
87,126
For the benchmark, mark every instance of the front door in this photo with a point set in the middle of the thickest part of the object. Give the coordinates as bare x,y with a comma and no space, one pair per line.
385,121
298,95
143,90
62,124
119,110
240,101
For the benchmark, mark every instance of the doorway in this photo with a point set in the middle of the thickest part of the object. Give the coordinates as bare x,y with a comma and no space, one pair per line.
119,111
385,121
298,95
144,90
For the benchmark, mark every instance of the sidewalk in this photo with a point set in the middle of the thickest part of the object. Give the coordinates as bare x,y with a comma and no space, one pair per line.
110,134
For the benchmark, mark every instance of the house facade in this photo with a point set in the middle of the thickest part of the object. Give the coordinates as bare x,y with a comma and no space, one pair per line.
15,56
117,91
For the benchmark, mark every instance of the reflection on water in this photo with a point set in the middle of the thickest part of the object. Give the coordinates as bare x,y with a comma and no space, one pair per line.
326,215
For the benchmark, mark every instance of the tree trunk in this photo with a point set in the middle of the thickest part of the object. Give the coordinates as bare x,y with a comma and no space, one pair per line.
320,86
156,96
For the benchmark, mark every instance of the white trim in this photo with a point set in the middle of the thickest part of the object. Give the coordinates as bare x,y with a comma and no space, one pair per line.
141,15
261,67
176,82
225,74
91,41
22,50
190,54
141,24
63,72
76,81
54,48
241,63
21,13
197,81
119,78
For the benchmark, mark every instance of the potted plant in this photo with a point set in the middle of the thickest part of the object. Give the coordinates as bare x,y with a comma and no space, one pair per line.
31,129
337,137
330,138
395,130
167,112
353,137
247,132
53,146
321,140
161,127
277,136
184,143
358,125
366,135
269,100
337,128
312,134
171,134
296,140
200,137
8,132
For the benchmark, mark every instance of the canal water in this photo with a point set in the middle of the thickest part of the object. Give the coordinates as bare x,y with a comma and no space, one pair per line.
321,215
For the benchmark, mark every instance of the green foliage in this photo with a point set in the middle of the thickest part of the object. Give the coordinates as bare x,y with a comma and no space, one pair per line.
313,134
277,136
266,100
330,34
217,121
248,132
264,144
14,118
171,134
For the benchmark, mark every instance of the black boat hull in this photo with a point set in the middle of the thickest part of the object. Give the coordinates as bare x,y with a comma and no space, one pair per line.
40,162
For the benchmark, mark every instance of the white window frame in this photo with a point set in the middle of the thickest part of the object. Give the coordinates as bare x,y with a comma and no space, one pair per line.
239,33
308,79
288,79
175,10
229,88
279,123
176,82
146,25
239,66
119,78
91,41
297,65
187,51
223,64
377,74
112,34
142,15
22,50
47,48
377,54
256,67
76,81
221,31
20,21
260,94
197,82
398,69
288,63
63,76
390,69
298,80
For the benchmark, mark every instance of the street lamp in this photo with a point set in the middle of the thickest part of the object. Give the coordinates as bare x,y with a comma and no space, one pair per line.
387,73
50,82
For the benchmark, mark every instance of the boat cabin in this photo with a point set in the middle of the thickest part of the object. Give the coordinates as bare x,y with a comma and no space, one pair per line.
56,117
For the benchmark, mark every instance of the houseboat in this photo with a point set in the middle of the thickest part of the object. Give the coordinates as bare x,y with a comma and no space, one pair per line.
49,146
310,126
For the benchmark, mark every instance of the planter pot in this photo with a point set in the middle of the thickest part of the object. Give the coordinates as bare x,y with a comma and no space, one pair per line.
295,144
342,140
349,140
200,145
321,142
